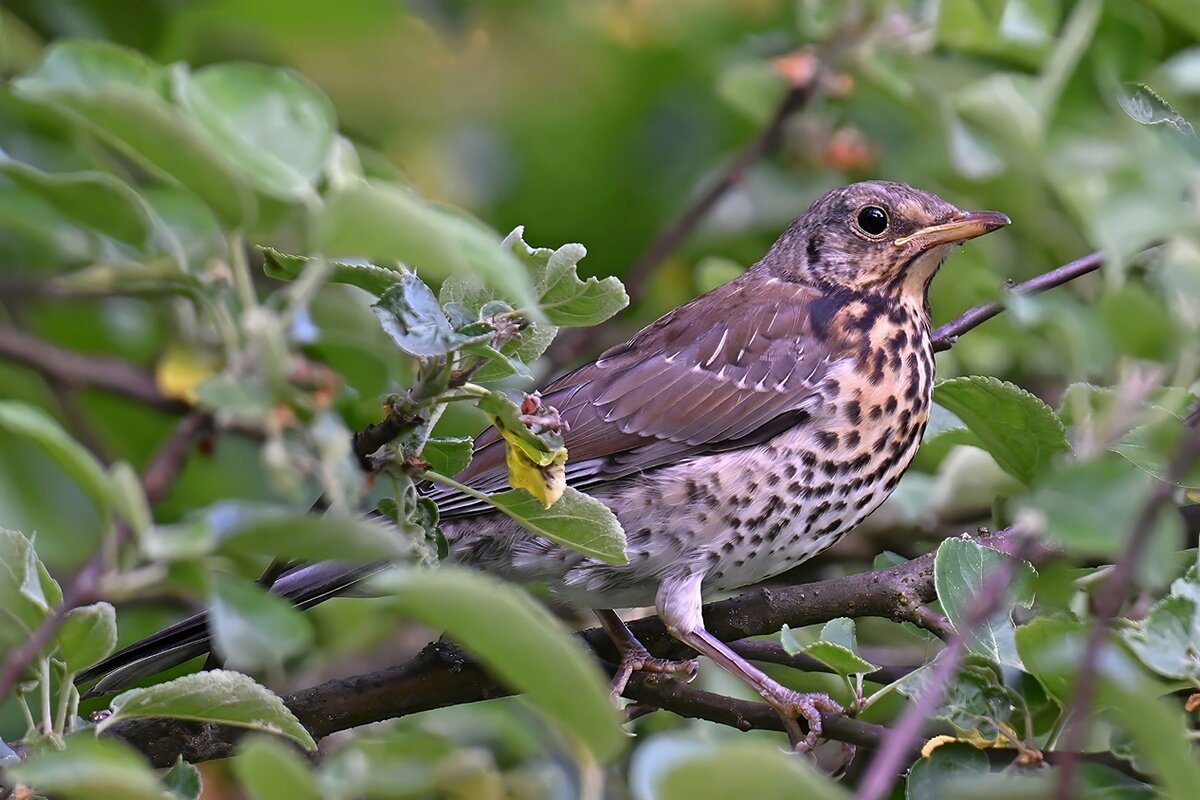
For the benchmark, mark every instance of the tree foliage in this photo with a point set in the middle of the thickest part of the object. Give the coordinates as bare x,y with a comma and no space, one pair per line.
229,288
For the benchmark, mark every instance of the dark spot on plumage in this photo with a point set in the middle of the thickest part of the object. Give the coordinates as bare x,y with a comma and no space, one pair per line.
895,360
772,479
789,471
863,502
809,458
824,308
860,462
876,412
828,529
891,405
808,476
820,509
898,340
727,547
827,439
693,490
756,539
912,391
883,439
824,488
905,419
852,439
795,487
813,247
853,411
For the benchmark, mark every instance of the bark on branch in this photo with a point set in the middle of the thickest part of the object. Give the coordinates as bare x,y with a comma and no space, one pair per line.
444,675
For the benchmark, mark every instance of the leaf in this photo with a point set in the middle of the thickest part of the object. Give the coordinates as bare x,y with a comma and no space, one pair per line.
1090,507
386,222
449,456
252,628
88,634
76,461
274,124
219,695
1167,640
270,770
414,319
577,521
368,277
92,200
545,482
975,703
1020,431
928,778
529,649
183,781
836,648
1144,105
120,96
312,538
505,415
23,601
568,301
89,769
960,570
676,766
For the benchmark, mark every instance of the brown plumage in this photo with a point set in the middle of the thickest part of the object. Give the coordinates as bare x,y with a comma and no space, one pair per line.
735,437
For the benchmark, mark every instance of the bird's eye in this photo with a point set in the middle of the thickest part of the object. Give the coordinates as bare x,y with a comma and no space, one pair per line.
873,220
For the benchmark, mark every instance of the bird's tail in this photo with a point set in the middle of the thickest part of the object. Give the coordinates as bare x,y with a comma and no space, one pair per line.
305,585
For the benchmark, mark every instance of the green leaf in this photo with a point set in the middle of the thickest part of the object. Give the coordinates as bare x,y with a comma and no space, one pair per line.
92,200
449,456
88,634
219,695
26,590
120,96
1090,507
274,124
1167,640
82,466
312,538
975,702
270,770
1020,431
412,316
505,628
369,277
254,629
88,768
836,648
183,781
960,570
576,520
929,777
675,767
568,301
1144,105
1050,648
386,223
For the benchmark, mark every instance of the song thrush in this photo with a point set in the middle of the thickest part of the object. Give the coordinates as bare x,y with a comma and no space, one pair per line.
734,438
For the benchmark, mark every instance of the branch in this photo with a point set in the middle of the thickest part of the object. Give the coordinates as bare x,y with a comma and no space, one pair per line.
443,675
74,369
1108,603
945,336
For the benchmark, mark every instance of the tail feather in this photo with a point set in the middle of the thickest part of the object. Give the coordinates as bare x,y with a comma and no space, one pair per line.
305,585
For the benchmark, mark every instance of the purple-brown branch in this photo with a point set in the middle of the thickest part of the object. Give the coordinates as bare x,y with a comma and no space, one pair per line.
1108,603
69,368
945,336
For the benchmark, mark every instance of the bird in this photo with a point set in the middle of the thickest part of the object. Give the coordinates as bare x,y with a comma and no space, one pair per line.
735,437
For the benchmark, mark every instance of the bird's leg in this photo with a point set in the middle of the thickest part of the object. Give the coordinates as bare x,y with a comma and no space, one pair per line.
679,606
634,656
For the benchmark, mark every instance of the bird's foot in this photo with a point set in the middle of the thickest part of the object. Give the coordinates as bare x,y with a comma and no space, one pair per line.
793,706
639,660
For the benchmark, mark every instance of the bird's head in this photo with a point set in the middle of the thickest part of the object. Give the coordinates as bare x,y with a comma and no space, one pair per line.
876,236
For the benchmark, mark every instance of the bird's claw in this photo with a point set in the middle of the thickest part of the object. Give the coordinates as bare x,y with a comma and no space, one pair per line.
632,662
794,706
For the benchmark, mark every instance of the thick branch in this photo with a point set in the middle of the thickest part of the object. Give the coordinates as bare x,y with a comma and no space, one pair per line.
442,675
74,369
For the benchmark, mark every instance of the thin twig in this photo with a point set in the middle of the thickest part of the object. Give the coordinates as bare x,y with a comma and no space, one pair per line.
74,369
670,237
1108,603
945,336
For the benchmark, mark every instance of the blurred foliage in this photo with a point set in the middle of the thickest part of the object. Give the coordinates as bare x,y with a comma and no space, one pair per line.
225,193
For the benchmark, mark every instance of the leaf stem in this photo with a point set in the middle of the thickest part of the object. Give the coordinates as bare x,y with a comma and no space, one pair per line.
47,711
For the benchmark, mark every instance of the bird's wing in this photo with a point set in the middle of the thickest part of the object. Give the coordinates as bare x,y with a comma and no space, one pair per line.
729,369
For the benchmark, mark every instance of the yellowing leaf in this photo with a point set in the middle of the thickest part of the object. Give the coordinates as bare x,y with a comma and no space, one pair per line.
547,483
181,369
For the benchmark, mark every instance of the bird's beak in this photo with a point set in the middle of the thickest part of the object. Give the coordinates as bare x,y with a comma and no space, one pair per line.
962,226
